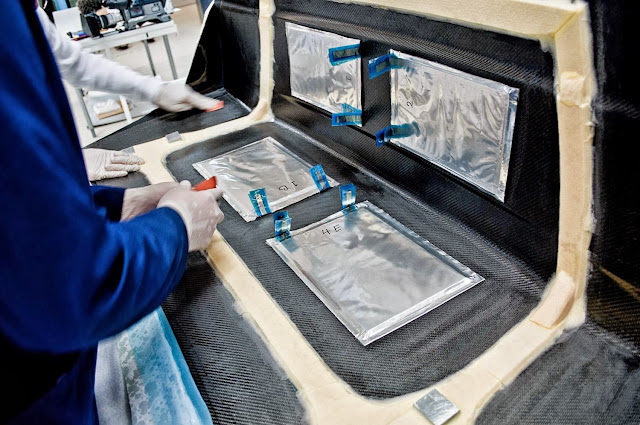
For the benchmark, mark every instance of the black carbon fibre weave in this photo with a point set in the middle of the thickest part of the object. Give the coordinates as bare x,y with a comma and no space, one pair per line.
586,378
526,224
228,53
615,305
614,286
432,347
239,381
130,181
591,376
159,123
236,376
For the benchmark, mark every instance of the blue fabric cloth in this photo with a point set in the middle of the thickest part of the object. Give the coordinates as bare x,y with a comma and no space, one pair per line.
70,273
159,385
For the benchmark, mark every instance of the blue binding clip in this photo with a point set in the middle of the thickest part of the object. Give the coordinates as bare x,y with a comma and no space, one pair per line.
342,54
382,64
348,116
320,178
282,223
395,132
348,196
260,202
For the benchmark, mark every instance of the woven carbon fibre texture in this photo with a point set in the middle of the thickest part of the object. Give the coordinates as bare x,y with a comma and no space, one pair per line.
614,287
592,364
228,53
526,224
236,376
593,376
130,181
159,123
615,306
233,370
587,378
432,347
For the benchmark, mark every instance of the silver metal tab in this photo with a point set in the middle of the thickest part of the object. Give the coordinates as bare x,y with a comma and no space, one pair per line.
313,78
465,122
437,408
173,137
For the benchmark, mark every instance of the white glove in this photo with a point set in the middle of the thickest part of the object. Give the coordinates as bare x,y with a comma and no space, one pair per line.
103,164
144,199
177,97
199,211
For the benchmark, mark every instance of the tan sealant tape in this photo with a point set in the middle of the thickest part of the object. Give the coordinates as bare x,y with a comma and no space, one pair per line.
328,399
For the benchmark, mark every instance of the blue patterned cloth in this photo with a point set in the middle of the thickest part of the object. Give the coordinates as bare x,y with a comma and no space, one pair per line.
158,382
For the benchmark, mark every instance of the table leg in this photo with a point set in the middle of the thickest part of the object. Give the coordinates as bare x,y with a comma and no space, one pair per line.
146,47
171,63
85,112
125,109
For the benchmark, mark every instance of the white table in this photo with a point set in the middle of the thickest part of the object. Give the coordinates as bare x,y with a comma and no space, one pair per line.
115,39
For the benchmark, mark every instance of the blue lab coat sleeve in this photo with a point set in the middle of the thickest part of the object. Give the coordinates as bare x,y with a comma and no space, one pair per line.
110,198
70,273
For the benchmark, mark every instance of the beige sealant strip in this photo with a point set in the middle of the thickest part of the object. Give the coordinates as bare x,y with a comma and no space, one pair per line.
564,27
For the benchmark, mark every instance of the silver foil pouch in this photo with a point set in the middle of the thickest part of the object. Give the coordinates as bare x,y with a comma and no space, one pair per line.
373,273
263,166
461,122
313,78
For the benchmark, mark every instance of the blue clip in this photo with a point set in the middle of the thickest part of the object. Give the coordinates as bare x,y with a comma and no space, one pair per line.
382,64
342,54
320,178
395,132
260,202
348,116
282,223
348,196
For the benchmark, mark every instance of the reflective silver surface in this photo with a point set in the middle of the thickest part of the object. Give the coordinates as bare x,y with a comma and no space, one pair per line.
313,78
265,163
373,273
466,122
437,408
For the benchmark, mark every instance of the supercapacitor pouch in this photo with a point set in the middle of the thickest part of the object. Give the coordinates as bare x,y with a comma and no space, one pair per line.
460,122
262,177
314,78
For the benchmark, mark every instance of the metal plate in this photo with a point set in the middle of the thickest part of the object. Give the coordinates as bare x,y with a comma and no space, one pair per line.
313,78
373,273
261,164
436,407
463,123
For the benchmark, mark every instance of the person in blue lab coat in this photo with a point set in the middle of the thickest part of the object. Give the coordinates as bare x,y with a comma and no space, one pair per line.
79,263
95,72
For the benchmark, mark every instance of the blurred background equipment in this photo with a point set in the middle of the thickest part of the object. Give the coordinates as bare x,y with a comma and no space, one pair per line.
123,15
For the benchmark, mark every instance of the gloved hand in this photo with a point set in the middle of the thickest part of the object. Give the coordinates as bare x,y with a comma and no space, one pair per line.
178,97
144,199
103,164
200,212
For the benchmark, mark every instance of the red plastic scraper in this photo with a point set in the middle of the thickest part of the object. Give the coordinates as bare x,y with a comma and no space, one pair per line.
206,184
217,106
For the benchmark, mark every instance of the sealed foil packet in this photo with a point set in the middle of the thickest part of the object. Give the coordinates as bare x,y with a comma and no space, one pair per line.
313,78
265,167
373,273
462,122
